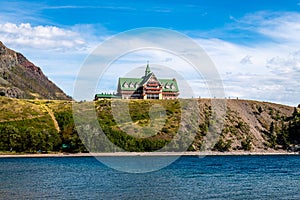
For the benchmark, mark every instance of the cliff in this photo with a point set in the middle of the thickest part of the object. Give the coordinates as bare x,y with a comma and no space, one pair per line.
20,78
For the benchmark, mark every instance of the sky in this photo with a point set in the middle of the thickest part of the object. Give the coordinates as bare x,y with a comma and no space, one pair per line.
254,44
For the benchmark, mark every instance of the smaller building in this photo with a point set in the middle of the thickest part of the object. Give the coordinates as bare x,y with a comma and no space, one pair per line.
106,96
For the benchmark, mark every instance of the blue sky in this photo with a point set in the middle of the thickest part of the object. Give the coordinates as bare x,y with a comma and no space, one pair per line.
255,44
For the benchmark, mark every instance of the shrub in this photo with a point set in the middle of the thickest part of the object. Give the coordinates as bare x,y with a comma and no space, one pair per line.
222,146
246,144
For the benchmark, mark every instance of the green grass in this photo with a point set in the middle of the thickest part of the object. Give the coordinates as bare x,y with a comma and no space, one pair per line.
40,124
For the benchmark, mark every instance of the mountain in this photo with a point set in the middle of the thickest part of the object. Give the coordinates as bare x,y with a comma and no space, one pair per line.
20,78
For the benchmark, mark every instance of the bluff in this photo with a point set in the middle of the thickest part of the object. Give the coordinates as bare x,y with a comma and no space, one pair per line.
20,78
32,125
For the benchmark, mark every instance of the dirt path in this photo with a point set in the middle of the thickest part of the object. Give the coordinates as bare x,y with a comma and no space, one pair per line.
37,116
53,117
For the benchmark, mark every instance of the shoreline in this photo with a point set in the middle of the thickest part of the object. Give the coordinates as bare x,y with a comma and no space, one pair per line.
118,154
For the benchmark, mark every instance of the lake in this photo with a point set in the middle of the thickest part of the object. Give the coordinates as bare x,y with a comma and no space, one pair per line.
190,177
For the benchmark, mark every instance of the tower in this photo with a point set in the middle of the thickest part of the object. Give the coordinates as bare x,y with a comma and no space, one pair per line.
147,71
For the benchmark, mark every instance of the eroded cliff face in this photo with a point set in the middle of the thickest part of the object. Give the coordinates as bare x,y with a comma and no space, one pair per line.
20,78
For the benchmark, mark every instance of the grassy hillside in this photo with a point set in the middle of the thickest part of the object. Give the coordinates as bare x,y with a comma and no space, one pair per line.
33,125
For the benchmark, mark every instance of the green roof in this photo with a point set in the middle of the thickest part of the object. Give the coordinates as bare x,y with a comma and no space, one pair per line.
131,84
169,85
146,78
112,96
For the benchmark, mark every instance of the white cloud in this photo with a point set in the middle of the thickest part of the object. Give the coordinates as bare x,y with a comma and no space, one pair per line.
268,68
41,37
246,60
278,26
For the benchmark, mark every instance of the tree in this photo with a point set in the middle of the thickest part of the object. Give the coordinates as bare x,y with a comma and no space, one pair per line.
294,131
272,136
4,139
282,136
260,110
28,135
10,138
271,130
15,141
246,144
222,146
295,113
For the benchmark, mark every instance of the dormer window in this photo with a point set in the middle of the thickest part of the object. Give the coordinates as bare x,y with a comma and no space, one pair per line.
172,86
125,84
131,85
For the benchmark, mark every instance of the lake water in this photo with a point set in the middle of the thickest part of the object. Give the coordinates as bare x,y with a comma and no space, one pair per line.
212,177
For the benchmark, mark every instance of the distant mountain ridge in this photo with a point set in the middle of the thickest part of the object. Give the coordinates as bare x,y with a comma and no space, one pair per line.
20,78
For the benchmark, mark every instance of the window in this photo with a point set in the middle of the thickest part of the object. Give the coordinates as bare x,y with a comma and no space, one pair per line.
152,96
125,84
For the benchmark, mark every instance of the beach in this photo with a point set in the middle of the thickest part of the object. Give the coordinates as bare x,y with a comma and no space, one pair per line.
203,153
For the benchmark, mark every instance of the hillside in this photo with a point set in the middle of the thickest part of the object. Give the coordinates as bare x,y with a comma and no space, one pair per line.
248,125
20,78
31,125
250,122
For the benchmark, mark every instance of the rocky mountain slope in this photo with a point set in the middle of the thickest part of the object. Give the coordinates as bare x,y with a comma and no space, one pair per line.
20,78
246,125
254,125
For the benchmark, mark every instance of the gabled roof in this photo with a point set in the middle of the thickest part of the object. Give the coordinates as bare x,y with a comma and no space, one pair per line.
129,84
132,84
145,79
169,85
106,96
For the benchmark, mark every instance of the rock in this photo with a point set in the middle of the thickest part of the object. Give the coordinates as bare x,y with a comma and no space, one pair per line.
20,78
